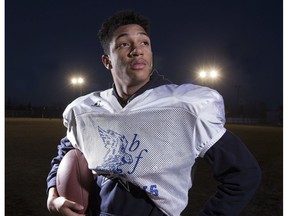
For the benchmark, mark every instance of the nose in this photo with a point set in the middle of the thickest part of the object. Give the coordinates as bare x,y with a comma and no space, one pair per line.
136,51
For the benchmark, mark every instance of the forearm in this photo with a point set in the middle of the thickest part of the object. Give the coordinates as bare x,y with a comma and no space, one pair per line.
238,174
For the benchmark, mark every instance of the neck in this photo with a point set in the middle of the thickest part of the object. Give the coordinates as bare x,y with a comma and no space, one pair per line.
123,95
125,92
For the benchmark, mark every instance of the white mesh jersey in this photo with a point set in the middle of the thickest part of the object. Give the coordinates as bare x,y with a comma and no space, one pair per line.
153,141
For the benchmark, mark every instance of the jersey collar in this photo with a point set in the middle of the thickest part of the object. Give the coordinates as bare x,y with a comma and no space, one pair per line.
156,80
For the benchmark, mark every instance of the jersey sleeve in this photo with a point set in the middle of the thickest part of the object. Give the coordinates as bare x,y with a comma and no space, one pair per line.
69,121
209,126
74,110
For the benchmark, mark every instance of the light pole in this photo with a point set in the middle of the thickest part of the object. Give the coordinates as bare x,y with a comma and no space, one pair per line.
78,82
238,106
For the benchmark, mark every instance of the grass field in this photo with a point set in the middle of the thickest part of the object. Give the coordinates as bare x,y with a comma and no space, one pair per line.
30,145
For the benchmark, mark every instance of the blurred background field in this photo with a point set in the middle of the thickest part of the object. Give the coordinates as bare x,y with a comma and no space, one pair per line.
30,145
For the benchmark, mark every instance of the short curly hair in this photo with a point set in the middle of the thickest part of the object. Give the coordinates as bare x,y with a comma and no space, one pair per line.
120,18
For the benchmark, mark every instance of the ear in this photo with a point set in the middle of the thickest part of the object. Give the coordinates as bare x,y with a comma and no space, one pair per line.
106,61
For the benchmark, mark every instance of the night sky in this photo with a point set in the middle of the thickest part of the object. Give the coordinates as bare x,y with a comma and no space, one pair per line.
48,41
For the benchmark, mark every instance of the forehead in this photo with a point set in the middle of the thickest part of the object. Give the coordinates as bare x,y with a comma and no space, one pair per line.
129,30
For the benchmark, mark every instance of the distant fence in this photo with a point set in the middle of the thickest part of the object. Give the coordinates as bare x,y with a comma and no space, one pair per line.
238,120
37,113
57,113
19,113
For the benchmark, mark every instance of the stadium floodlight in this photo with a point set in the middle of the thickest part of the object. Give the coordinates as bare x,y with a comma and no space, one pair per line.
208,76
74,81
213,74
202,74
78,81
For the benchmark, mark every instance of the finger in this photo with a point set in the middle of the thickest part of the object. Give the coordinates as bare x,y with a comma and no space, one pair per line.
73,208
70,212
74,205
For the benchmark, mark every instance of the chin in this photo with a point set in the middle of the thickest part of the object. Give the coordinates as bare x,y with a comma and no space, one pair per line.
142,77
139,80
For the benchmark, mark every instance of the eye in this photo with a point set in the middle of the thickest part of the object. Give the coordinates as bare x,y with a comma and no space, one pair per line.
124,44
145,43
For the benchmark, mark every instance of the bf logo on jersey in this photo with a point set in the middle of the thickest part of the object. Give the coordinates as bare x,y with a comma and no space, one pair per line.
119,152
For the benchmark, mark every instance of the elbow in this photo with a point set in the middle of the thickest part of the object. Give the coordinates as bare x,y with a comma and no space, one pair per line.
256,176
252,180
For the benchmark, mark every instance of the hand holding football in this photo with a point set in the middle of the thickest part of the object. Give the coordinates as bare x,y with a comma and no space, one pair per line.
74,179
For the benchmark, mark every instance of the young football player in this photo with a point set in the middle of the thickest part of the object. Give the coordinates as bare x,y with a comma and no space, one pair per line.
141,137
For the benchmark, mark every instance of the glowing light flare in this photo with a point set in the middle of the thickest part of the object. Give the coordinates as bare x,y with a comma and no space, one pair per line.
80,80
212,74
77,80
202,74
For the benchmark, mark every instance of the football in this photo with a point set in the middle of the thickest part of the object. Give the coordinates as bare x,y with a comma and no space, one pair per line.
74,180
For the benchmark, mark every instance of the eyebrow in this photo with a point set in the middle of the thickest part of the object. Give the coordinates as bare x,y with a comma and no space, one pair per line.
125,34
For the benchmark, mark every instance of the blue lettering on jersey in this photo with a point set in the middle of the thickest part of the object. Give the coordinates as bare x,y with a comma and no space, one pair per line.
137,161
153,190
118,150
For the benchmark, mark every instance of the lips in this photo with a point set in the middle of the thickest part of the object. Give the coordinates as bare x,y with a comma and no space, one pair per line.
138,64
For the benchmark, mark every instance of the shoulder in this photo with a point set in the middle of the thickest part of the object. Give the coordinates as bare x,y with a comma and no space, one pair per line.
187,90
196,92
192,96
204,104
84,103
